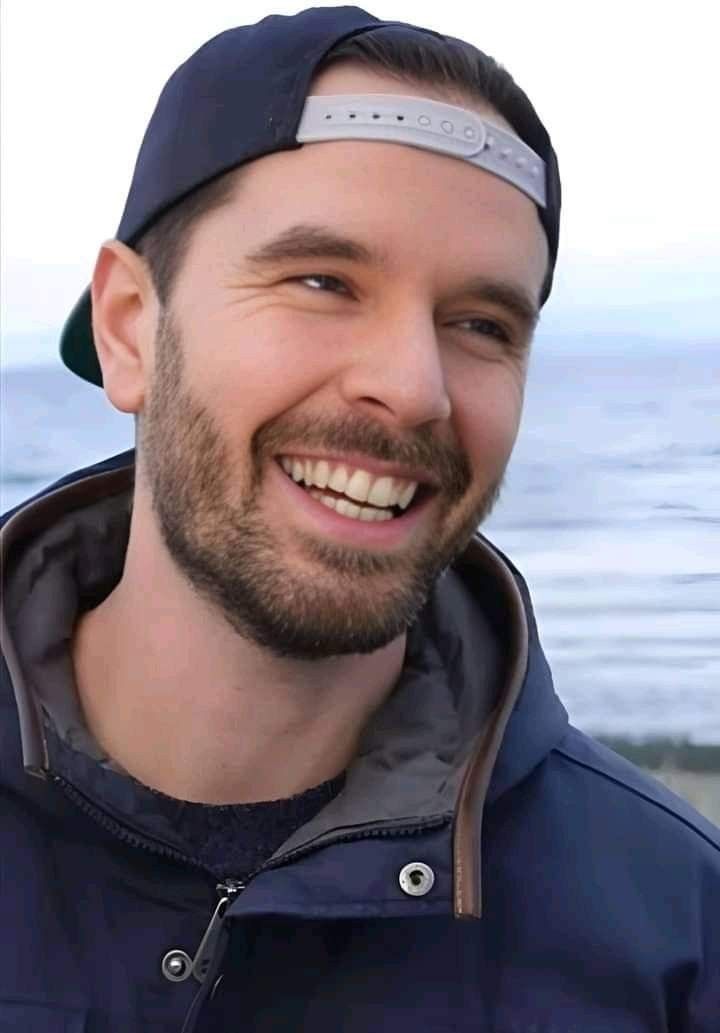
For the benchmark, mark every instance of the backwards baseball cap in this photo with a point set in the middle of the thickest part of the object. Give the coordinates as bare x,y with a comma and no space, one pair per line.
244,94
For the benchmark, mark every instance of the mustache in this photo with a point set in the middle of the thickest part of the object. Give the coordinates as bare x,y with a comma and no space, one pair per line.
447,466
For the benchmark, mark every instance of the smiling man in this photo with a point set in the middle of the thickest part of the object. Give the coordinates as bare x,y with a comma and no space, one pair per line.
270,680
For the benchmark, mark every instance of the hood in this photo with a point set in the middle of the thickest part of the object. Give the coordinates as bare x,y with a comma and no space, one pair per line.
473,713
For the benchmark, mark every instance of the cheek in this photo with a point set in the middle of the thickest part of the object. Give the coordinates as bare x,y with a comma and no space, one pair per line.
254,369
487,412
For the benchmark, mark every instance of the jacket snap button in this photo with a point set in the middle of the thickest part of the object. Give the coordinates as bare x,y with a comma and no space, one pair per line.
416,879
176,966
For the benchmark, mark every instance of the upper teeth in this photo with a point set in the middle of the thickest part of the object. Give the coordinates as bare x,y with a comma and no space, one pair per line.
357,484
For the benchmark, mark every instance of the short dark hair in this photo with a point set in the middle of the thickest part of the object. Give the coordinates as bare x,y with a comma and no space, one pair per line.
165,243
422,59
418,58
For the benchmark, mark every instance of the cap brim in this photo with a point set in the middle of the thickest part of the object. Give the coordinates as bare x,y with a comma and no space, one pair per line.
77,346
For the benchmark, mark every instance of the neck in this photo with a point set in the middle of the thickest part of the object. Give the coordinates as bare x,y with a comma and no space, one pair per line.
187,706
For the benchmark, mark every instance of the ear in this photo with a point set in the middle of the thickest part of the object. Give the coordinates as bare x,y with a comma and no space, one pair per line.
125,312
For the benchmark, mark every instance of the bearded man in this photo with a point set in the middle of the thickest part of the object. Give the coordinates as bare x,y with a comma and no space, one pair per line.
281,750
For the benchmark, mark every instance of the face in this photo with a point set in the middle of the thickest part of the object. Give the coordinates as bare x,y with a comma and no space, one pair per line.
350,325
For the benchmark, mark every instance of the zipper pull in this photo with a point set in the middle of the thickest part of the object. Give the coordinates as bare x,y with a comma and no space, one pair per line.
177,965
227,891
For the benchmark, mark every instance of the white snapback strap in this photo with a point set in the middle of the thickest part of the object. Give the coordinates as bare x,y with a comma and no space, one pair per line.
429,124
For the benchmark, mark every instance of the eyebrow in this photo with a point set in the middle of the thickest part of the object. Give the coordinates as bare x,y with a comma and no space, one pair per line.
309,241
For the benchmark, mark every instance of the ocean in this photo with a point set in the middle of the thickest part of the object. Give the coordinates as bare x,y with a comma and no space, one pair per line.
611,511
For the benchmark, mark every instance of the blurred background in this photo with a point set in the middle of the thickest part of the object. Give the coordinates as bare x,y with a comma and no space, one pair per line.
612,504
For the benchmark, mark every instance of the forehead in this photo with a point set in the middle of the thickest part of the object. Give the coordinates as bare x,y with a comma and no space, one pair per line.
374,193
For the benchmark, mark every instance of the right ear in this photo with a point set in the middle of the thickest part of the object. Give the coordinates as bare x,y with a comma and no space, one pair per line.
124,318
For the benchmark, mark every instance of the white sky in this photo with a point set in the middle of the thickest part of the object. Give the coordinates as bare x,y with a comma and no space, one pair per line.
628,91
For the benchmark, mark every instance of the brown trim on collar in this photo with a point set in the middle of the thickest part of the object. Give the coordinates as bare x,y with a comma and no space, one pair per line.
467,868
31,519
467,891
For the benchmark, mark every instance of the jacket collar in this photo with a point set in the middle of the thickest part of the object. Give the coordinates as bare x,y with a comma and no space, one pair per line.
473,713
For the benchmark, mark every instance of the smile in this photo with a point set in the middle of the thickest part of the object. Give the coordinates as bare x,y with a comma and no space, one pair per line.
350,490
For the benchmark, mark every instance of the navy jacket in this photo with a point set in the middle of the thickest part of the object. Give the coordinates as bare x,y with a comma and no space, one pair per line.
486,868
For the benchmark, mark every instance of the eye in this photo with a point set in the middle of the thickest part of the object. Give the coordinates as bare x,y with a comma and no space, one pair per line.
322,283
486,328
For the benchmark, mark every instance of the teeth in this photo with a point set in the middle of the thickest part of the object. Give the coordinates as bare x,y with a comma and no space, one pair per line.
327,500
359,485
382,491
347,509
338,479
322,474
407,496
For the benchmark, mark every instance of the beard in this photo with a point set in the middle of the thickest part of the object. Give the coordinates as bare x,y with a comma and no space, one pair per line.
354,601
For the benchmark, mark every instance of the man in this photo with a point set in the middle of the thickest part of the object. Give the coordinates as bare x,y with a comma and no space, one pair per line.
288,715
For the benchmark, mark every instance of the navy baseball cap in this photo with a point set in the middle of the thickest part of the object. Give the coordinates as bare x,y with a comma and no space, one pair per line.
242,95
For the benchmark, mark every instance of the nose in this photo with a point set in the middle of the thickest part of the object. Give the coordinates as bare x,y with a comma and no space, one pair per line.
396,372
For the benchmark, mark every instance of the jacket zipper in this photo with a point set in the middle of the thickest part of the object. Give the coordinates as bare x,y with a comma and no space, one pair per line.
153,846
229,889
405,830
177,965
122,832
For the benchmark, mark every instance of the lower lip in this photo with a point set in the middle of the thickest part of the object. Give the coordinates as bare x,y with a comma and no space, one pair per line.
374,534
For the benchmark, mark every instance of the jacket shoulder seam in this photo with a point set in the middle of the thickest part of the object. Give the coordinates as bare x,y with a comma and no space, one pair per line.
639,793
